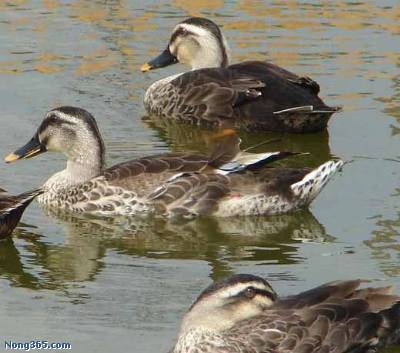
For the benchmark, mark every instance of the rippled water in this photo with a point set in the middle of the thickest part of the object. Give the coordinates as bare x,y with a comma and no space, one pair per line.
124,285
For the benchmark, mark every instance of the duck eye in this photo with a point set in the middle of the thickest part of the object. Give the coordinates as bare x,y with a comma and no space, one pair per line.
250,292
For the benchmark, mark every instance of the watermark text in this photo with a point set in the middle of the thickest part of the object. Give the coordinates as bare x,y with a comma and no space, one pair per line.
36,345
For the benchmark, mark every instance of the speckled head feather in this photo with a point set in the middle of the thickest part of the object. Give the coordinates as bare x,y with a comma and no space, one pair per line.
77,113
69,121
337,317
234,281
211,44
204,23
229,301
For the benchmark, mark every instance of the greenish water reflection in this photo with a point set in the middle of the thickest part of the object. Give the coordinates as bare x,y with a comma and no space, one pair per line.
115,285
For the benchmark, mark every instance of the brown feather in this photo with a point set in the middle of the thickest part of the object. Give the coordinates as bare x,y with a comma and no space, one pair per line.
12,208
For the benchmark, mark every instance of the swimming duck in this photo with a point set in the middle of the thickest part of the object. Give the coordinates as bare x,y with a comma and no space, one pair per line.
252,94
12,208
169,184
244,314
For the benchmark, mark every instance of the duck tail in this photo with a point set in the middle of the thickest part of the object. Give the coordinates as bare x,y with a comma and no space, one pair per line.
21,201
26,198
312,183
12,210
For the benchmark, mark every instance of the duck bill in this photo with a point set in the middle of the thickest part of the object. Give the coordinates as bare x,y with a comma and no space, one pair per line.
164,59
31,149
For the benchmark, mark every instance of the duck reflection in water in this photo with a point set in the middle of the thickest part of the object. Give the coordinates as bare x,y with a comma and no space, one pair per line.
218,241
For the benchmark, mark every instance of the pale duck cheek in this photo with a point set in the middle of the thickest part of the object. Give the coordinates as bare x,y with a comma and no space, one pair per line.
54,145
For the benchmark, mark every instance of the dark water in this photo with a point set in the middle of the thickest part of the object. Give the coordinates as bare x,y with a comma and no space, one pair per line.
124,285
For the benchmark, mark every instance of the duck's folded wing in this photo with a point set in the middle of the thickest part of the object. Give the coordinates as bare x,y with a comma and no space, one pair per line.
190,194
345,327
144,174
269,73
338,289
283,93
337,326
215,93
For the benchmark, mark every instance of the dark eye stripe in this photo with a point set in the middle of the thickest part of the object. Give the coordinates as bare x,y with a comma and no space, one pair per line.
180,32
265,293
53,121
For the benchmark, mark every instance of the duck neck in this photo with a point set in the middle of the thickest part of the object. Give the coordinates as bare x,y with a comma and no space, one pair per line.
214,315
202,317
212,53
210,59
84,163
82,171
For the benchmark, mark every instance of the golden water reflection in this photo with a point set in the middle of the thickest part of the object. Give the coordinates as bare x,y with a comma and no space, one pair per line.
89,53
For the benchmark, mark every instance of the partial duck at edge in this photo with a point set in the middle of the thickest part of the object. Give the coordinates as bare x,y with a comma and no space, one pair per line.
12,208
254,95
242,314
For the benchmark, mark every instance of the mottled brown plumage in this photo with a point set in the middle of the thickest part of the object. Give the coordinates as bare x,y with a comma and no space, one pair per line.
336,317
251,95
226,183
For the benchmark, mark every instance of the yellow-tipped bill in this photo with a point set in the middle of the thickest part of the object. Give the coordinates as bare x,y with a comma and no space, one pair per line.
31,149
145,67
162,60
12,157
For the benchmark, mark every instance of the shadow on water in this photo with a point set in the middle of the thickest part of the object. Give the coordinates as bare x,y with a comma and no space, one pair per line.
44,265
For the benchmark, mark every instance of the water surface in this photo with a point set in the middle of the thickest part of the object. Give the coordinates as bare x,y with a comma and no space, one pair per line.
123,285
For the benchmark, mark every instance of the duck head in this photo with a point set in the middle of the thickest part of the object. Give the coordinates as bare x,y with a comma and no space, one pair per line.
226,302
196,42
71,131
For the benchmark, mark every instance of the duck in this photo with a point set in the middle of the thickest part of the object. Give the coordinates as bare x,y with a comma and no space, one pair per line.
251,95
243,313
226,183
12,208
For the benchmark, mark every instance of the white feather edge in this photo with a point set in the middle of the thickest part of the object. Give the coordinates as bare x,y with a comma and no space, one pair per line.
303,109
31,195
244,160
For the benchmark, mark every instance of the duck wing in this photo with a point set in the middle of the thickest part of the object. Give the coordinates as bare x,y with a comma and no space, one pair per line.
144,174
212,94
232,190
254,94
329,319
338,289
12,208
196,182
190,195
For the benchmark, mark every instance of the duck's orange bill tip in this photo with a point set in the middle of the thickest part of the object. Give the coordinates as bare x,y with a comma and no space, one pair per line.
224,133
145,67
12,157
